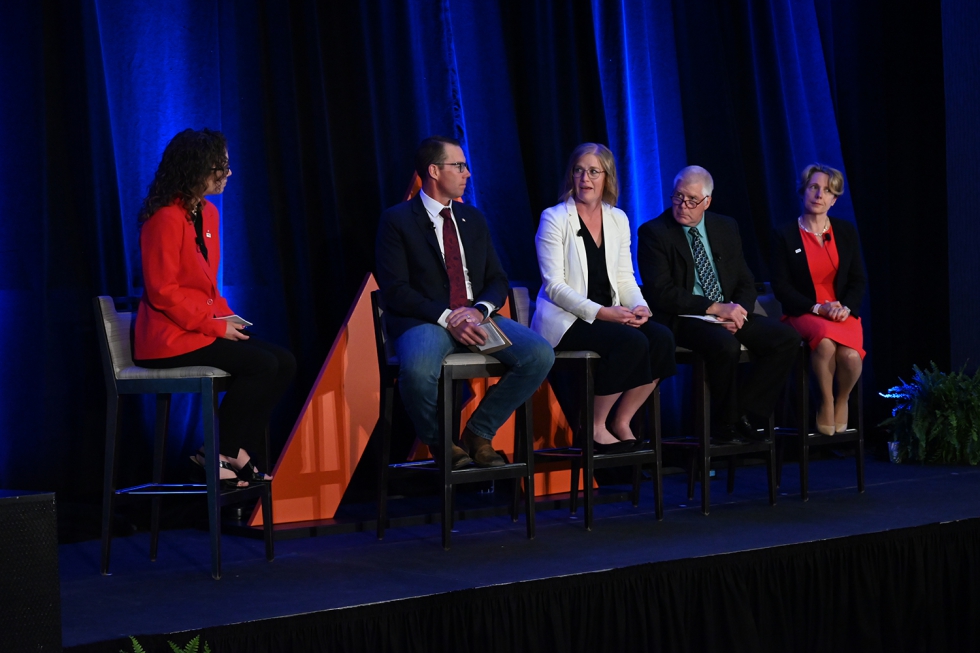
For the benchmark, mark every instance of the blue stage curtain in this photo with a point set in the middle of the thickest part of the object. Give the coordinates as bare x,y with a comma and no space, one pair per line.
961,56
324,105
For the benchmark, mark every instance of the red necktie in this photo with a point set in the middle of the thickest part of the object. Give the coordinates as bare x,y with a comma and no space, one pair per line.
454,262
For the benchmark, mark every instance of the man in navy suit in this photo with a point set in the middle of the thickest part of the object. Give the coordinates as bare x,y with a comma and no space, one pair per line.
440,278
691,263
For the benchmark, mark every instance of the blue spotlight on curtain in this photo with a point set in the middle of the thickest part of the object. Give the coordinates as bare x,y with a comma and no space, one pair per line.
794,100
641,96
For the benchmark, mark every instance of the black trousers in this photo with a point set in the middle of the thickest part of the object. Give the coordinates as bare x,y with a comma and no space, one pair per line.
631,356
773,346
260,373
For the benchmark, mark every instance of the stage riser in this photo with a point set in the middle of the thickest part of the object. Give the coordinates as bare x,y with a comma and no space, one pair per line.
30,596
915,589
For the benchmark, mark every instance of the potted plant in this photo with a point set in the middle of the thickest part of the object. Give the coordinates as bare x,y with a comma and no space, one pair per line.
936,418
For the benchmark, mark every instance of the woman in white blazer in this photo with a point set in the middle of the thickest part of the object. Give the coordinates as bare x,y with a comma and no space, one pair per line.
589,299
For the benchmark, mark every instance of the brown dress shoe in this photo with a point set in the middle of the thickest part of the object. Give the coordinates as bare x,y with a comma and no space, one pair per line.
482,451
459,457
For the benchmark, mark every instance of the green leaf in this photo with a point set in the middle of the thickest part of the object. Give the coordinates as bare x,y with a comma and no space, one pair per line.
191,647
136,646
936,417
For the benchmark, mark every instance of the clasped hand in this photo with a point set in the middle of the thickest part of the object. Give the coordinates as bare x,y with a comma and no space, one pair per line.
464,325
833,311
623,315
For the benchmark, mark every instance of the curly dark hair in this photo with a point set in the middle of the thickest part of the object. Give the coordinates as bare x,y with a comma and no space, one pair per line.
182,176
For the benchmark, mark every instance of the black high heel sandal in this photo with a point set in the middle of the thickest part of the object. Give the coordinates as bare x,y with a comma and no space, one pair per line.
249,472
226,483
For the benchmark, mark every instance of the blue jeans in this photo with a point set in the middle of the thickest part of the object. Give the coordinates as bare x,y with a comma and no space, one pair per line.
421,351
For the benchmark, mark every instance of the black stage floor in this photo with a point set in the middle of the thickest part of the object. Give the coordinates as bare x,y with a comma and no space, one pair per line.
177,594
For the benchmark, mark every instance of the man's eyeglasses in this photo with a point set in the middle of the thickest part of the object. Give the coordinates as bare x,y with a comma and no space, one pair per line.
692,203
593,173
224,169
460,166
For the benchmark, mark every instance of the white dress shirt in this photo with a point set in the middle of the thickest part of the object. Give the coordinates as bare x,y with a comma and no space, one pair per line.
433,208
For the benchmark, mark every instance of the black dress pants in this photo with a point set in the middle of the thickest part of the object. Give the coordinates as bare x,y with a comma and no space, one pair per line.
773,346
260,373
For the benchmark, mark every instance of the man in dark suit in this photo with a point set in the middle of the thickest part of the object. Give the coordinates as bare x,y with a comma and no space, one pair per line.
691,263
440,278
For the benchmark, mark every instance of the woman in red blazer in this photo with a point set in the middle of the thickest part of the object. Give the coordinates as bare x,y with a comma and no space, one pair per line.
177,324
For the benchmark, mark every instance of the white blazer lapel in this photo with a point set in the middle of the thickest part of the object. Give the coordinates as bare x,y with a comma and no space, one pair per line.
573,229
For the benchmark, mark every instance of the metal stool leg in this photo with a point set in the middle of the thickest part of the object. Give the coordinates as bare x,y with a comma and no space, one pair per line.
702,428
268,524
447,403
159,456
658,474
109,477
803,421
658,482
780,458
573,486
705,463
209,402
692,473
859,445
589,462
525,416
771,458
388,399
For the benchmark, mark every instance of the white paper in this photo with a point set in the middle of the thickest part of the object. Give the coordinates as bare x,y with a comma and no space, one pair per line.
707,318
237,319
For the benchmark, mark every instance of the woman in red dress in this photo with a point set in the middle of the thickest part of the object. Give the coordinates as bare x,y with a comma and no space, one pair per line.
818,276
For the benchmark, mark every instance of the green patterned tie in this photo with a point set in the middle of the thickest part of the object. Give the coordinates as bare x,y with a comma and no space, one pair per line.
709,282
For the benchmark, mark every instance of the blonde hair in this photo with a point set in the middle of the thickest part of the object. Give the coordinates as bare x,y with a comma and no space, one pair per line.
610,190
836,183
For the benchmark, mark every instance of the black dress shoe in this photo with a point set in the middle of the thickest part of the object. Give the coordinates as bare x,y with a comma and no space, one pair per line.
745,430
622,446
726,435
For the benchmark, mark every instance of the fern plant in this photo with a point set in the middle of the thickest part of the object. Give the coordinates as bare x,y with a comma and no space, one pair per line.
936,418
193,646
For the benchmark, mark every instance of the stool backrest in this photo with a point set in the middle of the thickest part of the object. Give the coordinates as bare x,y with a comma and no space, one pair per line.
115,340
383,344
520,305
766,303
